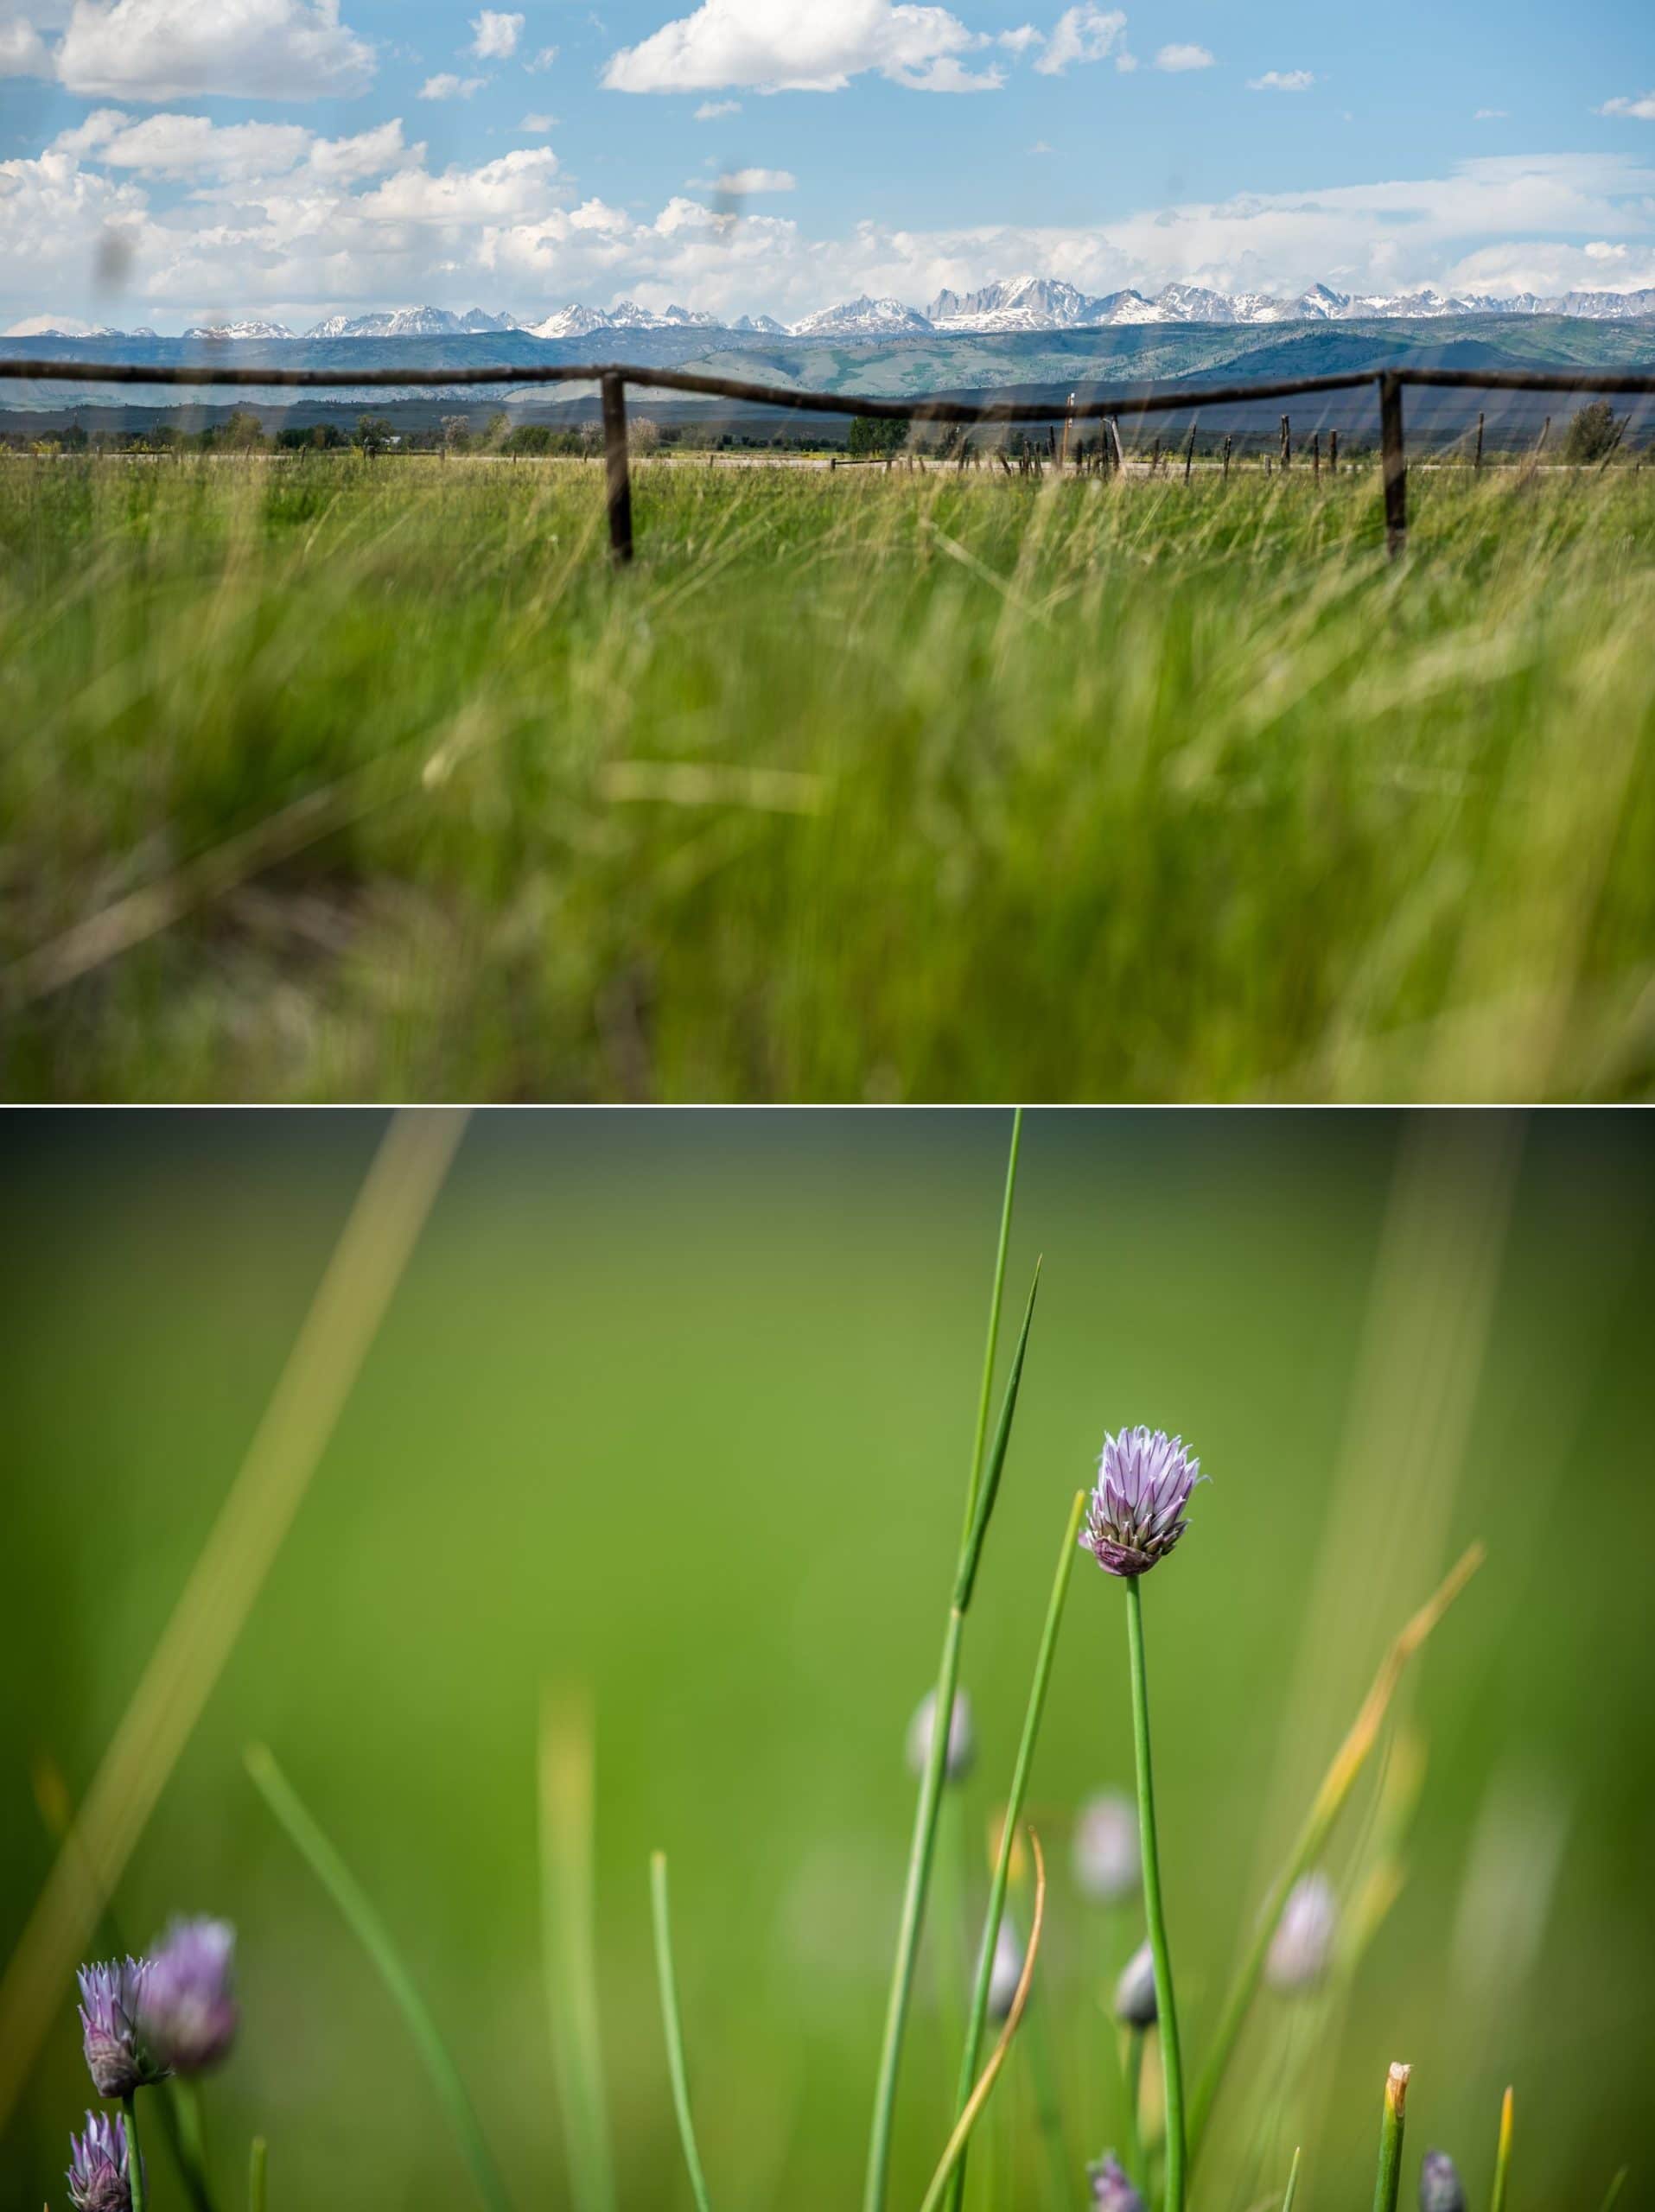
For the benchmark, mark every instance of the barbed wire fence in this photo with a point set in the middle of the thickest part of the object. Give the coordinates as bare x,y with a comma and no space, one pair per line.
612,379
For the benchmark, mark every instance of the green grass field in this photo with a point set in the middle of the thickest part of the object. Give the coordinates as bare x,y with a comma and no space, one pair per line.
331,779
678,1410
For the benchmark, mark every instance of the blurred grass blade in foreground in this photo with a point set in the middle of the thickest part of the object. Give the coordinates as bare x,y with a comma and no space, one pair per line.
673,2028
376,1939
1292,2181
567,1941
1336,1786
258,2159
1389,2177
1502,2155
979,2097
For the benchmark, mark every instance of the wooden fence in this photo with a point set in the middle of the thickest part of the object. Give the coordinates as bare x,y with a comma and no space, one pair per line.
612,378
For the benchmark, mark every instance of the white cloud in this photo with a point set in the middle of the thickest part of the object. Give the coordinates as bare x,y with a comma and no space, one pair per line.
1085,33
1643,106
1177,58
815,49
1490,115
710,111
1020,40
542,59
1126,63
447,86
175,146
538,124
1039,146
246,50
745,181
23,52
1282,81
1601,249
495,35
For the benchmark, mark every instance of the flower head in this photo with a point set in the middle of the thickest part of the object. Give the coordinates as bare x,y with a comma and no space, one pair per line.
962,1736
1303,1940
1135,1993
1111,2191
99,2179
1106,1866
1440,2188
1006,1971
1144,1479
187,2006
112,2003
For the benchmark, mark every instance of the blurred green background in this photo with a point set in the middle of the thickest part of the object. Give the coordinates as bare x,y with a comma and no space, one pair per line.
678,1407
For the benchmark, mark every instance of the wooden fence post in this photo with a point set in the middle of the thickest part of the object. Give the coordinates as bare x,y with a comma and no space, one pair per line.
1393,460
1479,461
1154,456
1227,456
1189,450
1545,432
617,476
1333,452
1286,444
1315,455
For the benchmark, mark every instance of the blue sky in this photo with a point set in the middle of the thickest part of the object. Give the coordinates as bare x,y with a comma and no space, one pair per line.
167,161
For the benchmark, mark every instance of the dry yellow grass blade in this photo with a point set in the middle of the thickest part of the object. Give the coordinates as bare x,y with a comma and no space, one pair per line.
998,2056
367,1264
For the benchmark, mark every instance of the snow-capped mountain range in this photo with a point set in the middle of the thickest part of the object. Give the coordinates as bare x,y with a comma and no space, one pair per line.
1021,303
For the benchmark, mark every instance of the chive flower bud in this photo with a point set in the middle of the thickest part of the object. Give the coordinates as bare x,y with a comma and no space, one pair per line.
1440,2188
1006,1971
1303,1941
99,2178
112,2001
1135,1515
188,2007
962,1736
1135,1993
1106,1864
1111,2191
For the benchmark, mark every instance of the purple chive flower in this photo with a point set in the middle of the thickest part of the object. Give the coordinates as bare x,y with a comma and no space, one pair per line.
1111,2191
1144,1479
187,2007
112,2001
1303,1941
1106,1866
1135,1993
99,2178
962,1736
1440,2188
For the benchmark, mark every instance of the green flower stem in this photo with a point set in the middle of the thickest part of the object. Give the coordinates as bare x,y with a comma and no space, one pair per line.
1048,1652
1390,2129
1292,2181
1132,2073
134,2154
980,1492
1503,2155
256,2160
1171,2066
673,2028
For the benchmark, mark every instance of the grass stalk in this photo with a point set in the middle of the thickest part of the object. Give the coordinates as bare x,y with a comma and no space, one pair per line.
566,1854
364,1920
258,2159
1336,1786
1389,2177
1612,2196
1502,2155
673,2029
134,2152
1020,1774
981,1493
985,1393
1172,2068
1292,2181
955,2148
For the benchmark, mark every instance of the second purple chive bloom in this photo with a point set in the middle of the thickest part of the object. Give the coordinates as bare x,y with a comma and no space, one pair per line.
1135,1515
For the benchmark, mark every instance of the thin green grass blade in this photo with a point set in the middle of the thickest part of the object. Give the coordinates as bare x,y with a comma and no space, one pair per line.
985,1395
979,1498
1388,2179
568,1953
1613,2195
1503,2154
1067,1553
370,1931
258,2159
972,1551
673,2029
1292,2181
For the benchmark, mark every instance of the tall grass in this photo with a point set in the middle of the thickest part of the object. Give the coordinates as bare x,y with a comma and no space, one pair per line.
334,778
